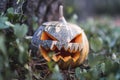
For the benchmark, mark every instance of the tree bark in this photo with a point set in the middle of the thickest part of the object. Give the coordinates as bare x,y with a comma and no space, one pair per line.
3,5
44,10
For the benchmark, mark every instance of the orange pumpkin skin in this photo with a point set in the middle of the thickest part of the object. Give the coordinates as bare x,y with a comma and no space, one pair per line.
67,42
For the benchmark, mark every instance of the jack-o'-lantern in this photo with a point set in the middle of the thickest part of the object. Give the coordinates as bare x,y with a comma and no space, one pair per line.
66,41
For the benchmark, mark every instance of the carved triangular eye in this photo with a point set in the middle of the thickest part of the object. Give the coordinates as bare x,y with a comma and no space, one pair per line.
46,36
77,39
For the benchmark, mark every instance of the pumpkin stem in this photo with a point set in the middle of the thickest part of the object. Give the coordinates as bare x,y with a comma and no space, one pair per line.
61,11
61,18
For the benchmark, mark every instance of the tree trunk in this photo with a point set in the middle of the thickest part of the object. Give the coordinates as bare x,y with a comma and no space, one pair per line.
44,10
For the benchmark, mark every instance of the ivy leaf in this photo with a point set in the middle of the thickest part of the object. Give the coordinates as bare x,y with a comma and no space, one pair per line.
9,23
78,72
2,45
1,60
10,10
96,43
3,21
116,32
103,67
56,75
95,72
20,30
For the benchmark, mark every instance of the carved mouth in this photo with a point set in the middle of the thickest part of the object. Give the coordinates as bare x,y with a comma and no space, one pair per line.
65,53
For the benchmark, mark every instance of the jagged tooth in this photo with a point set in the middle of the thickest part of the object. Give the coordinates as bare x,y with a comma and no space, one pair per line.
53,45
58,46
66,47
70,46
65,59
76,57
59,57
55,42
56,57
76,47
80,47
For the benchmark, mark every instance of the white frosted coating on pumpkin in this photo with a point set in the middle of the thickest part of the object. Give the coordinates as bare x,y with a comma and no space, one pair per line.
62,34
57,29
67,41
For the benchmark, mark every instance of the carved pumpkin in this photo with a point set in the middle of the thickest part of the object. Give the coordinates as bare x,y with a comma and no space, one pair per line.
66,41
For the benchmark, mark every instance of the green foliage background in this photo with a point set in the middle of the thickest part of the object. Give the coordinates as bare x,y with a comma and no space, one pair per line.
103,58
13,46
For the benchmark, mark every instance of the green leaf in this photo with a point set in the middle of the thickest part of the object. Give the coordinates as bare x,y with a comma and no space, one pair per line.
2,45
95,72
35,26
10,10
3,21
116,32
20,30
102,67
1,77
56,68
9,24
111,77
56,76
1,64
50,65
96,43
78,73
118,76
94,59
